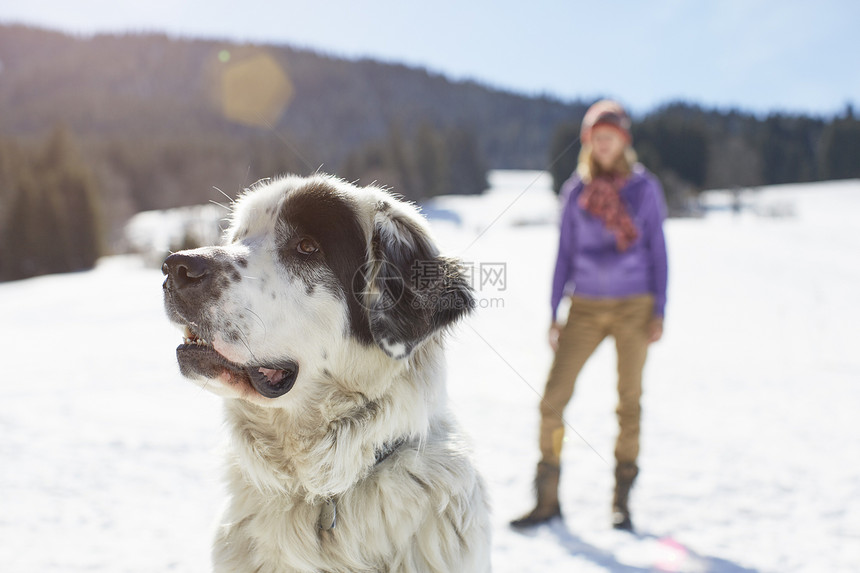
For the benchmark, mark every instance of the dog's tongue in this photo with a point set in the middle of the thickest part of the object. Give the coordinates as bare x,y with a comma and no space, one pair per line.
274,376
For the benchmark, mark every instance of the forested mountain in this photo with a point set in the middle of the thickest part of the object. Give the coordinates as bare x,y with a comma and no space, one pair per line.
161,87
147,121
162,120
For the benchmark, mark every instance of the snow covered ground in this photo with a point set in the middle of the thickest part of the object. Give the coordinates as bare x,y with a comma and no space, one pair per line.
751,449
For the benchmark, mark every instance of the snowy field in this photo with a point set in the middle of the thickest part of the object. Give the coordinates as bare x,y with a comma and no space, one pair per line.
750,447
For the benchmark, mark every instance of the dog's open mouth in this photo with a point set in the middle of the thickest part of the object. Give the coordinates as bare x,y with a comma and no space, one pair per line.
197,357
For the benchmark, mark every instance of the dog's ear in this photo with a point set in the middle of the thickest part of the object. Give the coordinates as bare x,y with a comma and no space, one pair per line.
411,291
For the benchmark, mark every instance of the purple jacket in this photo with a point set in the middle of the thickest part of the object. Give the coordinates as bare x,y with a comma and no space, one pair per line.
589,262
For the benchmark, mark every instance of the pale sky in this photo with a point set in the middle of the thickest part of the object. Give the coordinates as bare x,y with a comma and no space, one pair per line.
760,56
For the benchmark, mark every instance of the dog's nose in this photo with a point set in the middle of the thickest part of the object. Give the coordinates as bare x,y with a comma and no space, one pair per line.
186,270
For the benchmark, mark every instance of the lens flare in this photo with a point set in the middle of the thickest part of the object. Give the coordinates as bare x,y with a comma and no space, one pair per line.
672,556
251,88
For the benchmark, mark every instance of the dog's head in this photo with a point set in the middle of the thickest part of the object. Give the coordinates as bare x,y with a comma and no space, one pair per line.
311,269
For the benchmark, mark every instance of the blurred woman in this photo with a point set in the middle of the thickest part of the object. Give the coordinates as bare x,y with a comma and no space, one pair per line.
612,263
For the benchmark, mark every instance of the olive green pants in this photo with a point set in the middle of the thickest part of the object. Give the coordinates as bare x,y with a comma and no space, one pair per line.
589,322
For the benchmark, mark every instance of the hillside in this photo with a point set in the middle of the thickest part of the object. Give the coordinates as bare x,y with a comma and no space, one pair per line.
155,86
155,122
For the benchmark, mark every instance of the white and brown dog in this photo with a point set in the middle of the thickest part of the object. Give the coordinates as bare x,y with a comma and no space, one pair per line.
321,320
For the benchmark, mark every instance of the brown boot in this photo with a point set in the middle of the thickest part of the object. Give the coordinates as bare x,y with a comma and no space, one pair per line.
625,474
546,486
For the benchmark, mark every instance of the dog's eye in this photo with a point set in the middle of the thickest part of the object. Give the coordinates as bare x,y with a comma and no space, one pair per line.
307,246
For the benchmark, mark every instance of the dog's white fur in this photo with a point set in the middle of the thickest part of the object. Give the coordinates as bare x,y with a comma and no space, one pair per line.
293,458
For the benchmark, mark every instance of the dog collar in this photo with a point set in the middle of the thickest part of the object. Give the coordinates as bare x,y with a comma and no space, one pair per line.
328,513
386,450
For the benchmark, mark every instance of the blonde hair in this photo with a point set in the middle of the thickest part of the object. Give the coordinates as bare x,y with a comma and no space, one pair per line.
588,168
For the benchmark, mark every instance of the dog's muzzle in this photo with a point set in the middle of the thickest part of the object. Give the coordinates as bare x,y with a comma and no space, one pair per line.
189,283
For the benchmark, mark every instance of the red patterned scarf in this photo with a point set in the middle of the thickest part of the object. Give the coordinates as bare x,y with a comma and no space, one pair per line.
602,199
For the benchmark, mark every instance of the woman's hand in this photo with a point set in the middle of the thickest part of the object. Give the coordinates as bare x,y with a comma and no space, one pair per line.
554,333
655,329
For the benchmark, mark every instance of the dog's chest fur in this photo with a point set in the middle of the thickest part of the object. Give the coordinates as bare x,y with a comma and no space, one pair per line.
274,520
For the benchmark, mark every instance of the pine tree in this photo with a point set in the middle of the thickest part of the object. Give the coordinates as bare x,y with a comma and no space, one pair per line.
563,153
467,169
54,223
431,162
840,148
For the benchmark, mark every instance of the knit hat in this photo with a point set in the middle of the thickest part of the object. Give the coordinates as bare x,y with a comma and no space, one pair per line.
605,112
